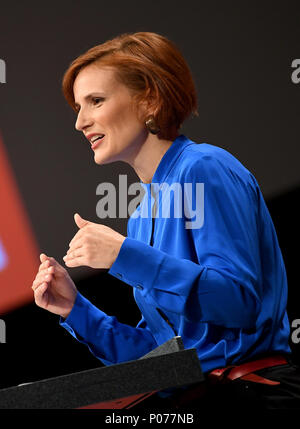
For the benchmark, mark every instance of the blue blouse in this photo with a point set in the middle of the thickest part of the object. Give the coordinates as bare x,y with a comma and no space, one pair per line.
203,259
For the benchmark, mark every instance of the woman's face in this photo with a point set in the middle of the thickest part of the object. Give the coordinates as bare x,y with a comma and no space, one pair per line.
106,115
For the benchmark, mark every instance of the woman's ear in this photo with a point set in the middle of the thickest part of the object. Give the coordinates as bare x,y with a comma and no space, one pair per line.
147,106
144,110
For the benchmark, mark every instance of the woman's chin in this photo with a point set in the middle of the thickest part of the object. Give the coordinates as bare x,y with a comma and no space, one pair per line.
100,159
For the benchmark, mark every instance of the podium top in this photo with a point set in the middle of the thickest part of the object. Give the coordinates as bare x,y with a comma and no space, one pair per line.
165,367
175,344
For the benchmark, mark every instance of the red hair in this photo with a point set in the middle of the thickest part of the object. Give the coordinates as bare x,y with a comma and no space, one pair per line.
152,67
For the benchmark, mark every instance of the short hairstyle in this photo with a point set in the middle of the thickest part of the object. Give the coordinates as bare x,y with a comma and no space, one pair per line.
152,67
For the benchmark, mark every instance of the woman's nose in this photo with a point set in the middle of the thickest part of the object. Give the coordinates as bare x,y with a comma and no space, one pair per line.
83,121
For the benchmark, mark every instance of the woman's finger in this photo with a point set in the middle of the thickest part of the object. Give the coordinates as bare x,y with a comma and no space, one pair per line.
77,236
76,245
74,253
48,262
44,271
37,283
43,257
44,265
58,269
44,276
75,262
40,295
40,278
48,270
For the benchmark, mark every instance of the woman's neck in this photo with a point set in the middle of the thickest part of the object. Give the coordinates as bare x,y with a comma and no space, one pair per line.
147,159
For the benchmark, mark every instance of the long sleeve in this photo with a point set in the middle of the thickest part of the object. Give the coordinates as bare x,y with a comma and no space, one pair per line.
109,340
213,275
223,285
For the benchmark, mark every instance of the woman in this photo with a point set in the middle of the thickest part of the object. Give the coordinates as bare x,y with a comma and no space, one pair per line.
219,282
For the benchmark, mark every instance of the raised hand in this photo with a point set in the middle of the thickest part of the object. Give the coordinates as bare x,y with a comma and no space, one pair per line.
54,290
94,245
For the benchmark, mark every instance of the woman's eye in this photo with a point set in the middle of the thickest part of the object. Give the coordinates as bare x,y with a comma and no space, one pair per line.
97,100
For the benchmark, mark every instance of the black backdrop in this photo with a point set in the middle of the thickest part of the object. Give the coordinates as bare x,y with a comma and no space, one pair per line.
240,54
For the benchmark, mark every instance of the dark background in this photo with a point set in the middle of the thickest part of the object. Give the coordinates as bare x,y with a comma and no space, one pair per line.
240,54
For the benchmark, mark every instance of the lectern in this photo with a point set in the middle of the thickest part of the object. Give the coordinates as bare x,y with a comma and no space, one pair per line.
119,386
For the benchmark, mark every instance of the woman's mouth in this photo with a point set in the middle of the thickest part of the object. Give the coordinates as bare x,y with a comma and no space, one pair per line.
96,142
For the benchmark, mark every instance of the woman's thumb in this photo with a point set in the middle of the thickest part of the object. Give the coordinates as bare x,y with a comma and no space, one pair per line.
80,222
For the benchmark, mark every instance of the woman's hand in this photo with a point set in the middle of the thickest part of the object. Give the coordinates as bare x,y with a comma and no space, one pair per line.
54,290
94,245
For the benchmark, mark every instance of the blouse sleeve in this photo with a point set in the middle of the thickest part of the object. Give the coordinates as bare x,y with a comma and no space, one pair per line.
107,339
224,285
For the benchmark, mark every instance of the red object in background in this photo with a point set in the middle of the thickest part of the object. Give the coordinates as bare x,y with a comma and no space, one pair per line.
19,255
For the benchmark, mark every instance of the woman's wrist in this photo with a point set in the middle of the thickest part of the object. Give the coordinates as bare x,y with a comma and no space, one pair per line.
65,314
